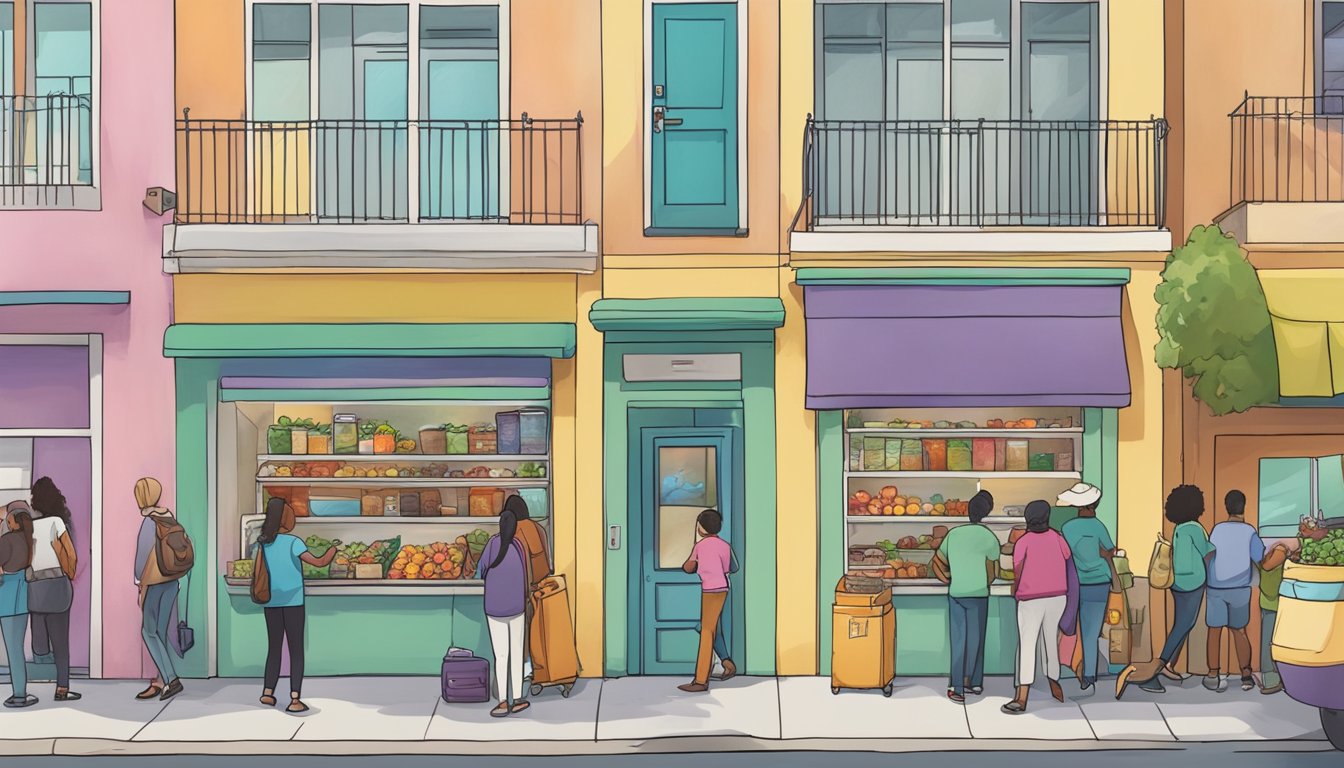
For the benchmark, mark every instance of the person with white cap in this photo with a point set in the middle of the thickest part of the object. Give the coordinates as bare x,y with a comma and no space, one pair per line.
1092,549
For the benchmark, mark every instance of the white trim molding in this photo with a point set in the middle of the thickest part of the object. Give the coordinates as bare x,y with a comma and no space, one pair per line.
933,240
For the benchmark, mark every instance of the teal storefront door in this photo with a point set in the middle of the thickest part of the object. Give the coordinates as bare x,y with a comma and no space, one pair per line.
694,152
678,472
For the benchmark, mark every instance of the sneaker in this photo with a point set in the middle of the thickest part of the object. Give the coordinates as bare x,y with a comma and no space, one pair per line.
1214,682
729,671
1153,686
1273,689
956,698
1247,683
15,702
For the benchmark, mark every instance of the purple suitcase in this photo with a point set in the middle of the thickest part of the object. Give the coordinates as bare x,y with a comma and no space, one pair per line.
466,677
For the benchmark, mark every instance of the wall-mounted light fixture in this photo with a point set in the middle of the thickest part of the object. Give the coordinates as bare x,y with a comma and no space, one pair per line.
160,200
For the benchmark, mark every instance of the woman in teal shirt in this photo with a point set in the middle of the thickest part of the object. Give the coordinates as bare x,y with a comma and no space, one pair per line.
1190,550
284,611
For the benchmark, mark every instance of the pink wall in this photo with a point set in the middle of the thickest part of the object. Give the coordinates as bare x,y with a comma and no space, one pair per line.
115,249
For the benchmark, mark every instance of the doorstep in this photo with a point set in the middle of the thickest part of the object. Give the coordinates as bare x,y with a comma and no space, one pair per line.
388,715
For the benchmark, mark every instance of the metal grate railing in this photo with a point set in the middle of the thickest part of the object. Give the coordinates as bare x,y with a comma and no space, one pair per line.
984,173
1288,149
45,141
524,171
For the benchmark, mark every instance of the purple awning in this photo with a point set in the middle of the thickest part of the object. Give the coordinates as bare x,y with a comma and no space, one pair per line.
911,346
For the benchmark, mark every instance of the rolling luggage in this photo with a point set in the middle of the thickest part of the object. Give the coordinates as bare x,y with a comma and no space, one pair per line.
466,677
555,658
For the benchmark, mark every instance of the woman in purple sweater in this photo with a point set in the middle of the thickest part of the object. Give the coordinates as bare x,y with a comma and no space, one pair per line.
503,566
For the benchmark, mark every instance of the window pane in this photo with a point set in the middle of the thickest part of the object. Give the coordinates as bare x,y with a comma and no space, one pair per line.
1285,495
980,86
852,81
687,485
915,22
852,20
980,21
6,49
64,45
1058,21
1330,485
273,23
459,26
381,25
281,46
45,387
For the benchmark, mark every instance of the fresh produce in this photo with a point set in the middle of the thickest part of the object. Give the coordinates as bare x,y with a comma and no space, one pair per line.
317,547
531,469
1320,546
439,560
240,569
888,501
857,420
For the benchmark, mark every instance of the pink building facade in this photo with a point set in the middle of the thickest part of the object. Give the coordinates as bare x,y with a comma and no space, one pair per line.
86,396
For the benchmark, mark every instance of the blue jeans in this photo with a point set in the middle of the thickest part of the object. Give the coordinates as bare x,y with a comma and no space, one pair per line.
967,618
1187,613
1091,614
156,614
14,629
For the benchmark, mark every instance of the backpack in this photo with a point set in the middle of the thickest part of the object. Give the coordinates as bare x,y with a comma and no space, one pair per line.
1160,574
173,548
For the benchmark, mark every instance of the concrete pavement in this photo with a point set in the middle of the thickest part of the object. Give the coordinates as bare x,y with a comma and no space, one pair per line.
404,715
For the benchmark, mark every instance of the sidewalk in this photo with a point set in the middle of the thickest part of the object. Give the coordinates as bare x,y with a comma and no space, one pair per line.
387,715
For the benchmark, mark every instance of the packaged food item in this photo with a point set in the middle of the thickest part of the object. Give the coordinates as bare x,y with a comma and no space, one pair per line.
481,502
935,455
959,455
982,454
1016,459
278,440
392,505
1000,454
874,454
345,433
384,439
371,505
1064,461
319,443
430,503
455,439
892,462
1041,462
855,453
912,456
483,440
298,442
434,440
409,504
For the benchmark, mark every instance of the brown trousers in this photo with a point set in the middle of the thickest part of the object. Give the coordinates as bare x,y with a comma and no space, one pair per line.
711,608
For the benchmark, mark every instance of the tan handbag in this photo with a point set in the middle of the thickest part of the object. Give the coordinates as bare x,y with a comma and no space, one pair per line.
261,577
1160,573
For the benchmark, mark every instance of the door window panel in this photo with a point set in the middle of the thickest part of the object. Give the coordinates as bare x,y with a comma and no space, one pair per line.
1330,486
687,485
63,67
1332,48
981,21
281,46
6,50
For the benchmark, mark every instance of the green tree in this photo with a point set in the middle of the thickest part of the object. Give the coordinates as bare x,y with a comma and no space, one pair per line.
1215,324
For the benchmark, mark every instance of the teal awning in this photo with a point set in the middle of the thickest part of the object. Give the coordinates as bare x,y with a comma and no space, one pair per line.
211,340
31,298
724,314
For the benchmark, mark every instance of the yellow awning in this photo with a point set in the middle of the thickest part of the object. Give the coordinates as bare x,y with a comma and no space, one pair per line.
1306,307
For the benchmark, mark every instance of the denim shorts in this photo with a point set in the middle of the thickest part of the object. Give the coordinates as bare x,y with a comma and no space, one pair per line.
1228,607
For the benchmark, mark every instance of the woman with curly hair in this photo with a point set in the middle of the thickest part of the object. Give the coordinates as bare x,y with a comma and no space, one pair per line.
1190,552
51,585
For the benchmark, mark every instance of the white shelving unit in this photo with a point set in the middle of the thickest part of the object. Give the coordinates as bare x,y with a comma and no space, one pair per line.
1011,489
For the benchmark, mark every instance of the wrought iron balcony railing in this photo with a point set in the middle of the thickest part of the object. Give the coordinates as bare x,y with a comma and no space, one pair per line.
1288,149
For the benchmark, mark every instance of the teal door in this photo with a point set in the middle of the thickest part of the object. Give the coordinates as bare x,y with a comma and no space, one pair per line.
694,184
681,472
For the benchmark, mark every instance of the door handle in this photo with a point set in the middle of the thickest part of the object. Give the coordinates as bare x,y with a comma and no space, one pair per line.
660,119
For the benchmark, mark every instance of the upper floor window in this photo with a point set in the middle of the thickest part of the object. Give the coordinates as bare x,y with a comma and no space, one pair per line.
1331,48
46,96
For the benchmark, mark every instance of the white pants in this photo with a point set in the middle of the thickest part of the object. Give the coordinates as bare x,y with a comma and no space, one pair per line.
1038,623
506,637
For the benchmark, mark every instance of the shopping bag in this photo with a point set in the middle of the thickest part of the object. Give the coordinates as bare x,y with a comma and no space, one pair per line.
1160,574
261,578
1117,614
1120,645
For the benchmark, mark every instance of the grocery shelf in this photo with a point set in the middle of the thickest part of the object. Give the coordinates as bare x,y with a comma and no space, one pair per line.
347,587
410,482
897,475
913,587
1037,432
467,458
397,520
1003,519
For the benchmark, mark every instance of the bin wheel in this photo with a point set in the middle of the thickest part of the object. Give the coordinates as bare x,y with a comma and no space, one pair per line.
835,691
888,689
536,689
564,692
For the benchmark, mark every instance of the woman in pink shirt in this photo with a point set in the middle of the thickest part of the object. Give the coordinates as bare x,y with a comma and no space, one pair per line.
1041,586
711,560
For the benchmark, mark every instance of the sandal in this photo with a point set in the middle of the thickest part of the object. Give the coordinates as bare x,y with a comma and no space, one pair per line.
956,697
295,705
519,706
500,711
267,698
67,695
15,702
152,692
1013,707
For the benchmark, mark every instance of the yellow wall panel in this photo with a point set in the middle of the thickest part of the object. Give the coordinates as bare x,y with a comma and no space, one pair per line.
671,283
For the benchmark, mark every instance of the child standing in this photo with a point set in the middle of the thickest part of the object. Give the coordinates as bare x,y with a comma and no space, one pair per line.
711,560
1271,575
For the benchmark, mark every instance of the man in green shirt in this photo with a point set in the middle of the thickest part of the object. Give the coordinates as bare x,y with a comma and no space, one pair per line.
1271,575
966,561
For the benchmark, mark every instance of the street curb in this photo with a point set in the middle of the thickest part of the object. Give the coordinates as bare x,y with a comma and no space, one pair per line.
72,747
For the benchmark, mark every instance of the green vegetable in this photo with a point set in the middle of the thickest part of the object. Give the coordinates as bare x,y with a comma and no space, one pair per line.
284,421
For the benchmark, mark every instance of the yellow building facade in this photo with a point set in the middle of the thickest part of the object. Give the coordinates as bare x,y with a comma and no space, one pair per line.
662,303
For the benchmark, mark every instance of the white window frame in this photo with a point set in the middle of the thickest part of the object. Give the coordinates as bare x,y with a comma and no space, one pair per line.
412,85
81,197
743,60
94,433
1015,53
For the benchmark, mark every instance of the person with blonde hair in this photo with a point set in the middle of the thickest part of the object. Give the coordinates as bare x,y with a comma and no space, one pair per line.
158,591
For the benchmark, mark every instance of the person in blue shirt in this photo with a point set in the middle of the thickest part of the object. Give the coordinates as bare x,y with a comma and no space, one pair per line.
284,611
1092,549
1238,549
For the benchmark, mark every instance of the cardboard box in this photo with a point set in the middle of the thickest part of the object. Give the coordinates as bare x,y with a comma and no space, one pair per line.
861,600
368,570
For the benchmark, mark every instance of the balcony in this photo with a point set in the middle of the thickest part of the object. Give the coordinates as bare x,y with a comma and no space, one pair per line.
1287,170
46,152
971,186
384,194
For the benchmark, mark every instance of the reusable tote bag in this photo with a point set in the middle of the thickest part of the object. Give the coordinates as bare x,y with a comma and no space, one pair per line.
1160,574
